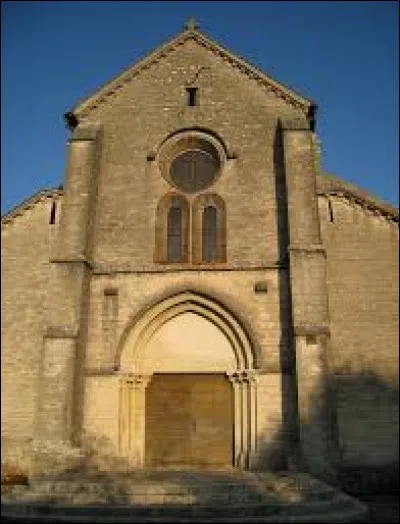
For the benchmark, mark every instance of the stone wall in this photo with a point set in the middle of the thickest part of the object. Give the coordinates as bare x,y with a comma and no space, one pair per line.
101,416
258,313
362,272
26,241
114,184
126,279
144,113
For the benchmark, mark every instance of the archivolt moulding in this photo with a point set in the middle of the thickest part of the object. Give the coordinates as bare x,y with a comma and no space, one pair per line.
136,337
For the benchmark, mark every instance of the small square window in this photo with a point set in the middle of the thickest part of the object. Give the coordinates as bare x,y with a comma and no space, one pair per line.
192,99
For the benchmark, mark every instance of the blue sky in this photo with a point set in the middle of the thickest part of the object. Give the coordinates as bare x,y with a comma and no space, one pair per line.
343,55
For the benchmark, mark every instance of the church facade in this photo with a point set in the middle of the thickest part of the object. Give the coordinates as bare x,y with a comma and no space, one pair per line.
200,293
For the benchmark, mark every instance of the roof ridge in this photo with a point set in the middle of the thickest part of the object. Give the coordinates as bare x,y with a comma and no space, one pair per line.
29,202
104,93
120,79
259,72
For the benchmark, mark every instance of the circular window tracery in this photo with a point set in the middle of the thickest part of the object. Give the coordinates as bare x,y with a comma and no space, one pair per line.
192,161
193,170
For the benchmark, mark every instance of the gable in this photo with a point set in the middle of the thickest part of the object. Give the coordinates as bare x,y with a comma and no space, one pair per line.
266,84
31,202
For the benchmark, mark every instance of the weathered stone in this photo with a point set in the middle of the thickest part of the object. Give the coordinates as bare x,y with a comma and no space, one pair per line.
298,307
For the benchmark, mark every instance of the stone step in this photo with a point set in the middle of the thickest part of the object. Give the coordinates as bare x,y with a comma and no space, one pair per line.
182,482
245,505
175,513
167,497
167,493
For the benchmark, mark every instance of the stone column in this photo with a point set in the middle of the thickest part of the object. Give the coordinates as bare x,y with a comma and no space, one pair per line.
237,419
309,304
125,416
132,415
245,421
139,437
244,404
80,187
252,399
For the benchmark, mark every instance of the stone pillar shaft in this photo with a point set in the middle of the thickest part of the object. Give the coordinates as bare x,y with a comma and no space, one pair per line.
56,389
67,293
252,393
76,216
309,304
245,422
302,200
244,458
132,418
237,422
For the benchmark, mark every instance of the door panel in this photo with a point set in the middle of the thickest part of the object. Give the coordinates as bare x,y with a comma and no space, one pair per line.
212,428
189,420
167,413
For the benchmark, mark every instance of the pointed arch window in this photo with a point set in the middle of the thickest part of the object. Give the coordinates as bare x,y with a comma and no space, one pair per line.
209,232
174,232
191,161
209,229
172,223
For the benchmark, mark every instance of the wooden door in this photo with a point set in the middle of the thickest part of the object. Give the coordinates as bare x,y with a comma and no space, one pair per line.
189,420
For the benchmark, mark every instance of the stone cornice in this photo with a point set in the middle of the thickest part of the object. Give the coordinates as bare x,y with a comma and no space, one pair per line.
308,248
105,94
109,269
311,329
332,185
60,332
387,212
30,202
100,371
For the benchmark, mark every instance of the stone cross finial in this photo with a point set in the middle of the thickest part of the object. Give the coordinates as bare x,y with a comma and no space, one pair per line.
191,25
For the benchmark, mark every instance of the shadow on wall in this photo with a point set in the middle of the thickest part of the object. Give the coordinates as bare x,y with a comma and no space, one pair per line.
98,462
368,429
367,461
290,423
367,414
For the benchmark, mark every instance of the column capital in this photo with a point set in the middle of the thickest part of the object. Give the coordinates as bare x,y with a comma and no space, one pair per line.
136,380
232,377
241,376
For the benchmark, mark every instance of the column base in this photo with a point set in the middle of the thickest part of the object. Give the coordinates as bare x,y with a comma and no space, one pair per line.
254,460
241,461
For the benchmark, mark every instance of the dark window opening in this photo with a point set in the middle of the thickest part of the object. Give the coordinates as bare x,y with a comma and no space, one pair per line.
174,234
209,239
330,210
53,212
192,96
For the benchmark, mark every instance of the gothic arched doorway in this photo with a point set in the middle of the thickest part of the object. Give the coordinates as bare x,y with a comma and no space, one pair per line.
188,394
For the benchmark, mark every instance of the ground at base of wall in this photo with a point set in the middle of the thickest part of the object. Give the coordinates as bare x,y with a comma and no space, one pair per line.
369,480
383,508
184,496
377,487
